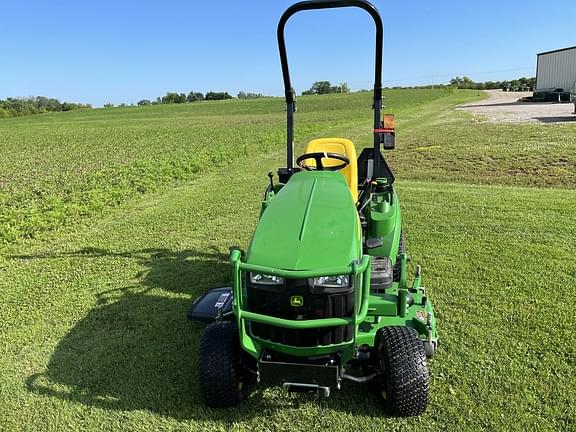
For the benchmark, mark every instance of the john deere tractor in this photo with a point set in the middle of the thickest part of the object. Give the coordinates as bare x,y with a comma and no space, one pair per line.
321,295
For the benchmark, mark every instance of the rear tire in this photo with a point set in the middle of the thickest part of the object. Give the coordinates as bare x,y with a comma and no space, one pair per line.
219,370
406,381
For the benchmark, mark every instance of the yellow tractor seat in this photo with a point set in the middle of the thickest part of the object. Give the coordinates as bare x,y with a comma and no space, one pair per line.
342,146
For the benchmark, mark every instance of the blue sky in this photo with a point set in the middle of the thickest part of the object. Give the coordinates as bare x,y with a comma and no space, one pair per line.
123,51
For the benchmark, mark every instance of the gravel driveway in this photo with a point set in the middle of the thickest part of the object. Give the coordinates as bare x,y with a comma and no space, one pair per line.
503,107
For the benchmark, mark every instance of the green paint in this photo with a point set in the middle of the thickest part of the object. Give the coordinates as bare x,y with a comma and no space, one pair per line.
311,223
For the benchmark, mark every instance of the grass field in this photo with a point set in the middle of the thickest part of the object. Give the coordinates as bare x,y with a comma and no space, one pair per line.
61,168
146,202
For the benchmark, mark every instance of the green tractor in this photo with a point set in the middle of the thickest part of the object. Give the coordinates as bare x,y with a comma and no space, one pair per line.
322,296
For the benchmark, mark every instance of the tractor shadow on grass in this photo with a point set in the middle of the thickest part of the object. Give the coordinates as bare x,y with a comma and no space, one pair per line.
136,349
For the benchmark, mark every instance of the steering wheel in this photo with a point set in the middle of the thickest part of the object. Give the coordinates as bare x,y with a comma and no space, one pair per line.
318,156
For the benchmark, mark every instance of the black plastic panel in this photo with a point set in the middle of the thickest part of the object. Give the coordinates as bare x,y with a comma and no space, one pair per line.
317,303
275,373
381,275
384,170
205,308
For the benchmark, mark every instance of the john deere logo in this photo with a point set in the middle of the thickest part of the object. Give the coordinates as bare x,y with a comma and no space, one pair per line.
297,301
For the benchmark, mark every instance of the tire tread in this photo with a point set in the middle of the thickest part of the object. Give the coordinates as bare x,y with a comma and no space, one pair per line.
407,380
218,365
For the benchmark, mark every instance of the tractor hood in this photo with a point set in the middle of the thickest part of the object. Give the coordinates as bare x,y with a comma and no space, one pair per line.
311,223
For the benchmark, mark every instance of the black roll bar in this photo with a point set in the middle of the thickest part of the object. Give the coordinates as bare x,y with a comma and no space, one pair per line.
289,93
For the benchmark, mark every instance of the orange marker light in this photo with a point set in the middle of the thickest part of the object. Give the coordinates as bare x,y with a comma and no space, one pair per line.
389,122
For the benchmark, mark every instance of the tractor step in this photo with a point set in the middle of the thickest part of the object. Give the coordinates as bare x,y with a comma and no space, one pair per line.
381,276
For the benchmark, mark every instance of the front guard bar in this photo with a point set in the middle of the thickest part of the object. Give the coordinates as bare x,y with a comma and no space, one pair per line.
361,269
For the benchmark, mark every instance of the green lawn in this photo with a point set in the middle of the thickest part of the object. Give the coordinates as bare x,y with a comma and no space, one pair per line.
93,334
59,168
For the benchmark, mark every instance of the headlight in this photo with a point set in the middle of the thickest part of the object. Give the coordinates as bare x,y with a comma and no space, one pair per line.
264,279
332,281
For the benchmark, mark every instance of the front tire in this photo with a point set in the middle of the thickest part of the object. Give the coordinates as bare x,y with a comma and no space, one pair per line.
405,384
219,370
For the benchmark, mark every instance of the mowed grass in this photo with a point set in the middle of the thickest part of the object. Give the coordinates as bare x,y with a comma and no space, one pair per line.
58,169
93,334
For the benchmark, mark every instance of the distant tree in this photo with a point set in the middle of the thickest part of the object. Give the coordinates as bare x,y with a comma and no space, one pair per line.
324,87
321,87
54,105
526,84
68,106
343,88
12,107
514,85
194,96
217,96
462,83
144,102
169,98
108,105
248,95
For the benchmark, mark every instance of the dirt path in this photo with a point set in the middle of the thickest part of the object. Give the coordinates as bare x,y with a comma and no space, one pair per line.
503,107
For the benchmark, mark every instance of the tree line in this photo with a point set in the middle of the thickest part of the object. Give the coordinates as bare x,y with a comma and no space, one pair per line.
193,96
14,107
325,87
179,98
519,84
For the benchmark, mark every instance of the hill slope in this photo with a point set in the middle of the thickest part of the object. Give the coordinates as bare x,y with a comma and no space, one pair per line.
93,334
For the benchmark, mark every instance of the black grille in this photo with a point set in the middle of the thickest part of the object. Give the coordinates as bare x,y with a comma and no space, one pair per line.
318,303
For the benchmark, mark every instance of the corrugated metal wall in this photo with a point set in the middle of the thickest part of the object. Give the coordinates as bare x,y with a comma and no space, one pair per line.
556,69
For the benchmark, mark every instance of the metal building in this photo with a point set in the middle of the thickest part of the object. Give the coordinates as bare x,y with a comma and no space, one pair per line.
556,69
